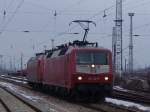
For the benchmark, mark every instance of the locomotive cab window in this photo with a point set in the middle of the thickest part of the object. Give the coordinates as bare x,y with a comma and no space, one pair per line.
99,58
83,58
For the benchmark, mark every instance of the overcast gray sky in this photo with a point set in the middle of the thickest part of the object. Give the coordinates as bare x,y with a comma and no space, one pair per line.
37,16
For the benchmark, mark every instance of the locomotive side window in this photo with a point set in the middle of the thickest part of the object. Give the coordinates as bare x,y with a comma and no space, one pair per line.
49,54
63,51
55,54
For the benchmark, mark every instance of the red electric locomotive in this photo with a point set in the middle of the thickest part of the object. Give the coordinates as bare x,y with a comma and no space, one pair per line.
76,69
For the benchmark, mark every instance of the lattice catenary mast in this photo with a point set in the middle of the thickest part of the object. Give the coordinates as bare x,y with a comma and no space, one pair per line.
118,38
131,44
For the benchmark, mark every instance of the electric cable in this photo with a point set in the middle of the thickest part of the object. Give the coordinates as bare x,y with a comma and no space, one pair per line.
12,16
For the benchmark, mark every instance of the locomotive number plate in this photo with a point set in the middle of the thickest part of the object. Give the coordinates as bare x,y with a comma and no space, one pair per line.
93,78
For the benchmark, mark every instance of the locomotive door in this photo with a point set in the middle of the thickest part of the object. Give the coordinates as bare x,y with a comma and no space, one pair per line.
40,71
66,72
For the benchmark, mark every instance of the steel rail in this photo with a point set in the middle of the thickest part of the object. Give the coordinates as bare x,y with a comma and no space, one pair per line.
36,109
4,105
132,96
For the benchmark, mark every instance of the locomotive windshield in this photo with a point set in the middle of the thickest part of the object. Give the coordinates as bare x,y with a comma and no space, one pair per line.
99,58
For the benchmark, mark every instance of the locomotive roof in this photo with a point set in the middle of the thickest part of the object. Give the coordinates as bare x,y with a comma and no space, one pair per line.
67,48
86,48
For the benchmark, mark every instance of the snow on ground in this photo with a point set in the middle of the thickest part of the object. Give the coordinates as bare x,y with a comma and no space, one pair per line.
10,86
24,82
19,78
120,88
31,96
110,100
127,104
6,85
15,80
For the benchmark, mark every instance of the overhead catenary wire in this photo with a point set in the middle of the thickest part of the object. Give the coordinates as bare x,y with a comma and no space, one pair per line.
37,12
143,25
135,5
141,14
112,6
56,12
101,11
79,2
91,16
27,31
4,11
9,5
96,14
12,16
63,13
60,12
140,26
48,10
38,5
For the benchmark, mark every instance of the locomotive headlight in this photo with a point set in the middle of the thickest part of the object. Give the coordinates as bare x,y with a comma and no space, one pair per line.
93,66
106,78
79,78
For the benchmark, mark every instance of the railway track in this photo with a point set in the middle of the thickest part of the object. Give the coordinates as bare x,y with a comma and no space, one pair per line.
3,106
15,78
107,107
104,107
140,97
15,103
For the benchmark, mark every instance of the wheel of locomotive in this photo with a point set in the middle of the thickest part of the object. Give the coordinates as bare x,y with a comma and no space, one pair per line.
39,86
63,92
32,85
70,96
35,86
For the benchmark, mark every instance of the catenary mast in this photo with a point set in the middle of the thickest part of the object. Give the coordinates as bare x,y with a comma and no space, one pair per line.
131,44
118,38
